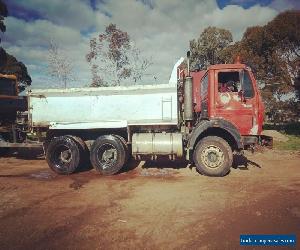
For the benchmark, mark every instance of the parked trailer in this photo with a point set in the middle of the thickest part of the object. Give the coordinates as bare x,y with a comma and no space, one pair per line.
204,118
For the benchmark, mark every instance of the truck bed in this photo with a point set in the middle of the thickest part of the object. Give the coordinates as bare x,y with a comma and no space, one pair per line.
105,107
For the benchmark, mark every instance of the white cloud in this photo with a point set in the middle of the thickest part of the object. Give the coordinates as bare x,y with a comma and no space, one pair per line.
161,29
237,19
71,13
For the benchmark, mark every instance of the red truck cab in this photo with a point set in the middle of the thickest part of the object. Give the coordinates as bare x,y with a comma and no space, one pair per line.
229,92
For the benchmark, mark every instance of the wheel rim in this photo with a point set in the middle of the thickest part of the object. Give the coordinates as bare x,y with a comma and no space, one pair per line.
62,156
212,156
107,155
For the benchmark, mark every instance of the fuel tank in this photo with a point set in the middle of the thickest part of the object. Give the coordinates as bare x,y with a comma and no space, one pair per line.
157,144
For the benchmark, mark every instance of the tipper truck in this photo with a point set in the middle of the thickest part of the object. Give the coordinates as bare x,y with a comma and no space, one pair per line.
206,117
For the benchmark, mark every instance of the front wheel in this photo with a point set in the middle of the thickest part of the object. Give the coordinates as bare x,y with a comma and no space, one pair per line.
213,156
108,154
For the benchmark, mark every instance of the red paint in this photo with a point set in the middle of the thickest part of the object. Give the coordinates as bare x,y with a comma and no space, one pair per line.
197,76
246,114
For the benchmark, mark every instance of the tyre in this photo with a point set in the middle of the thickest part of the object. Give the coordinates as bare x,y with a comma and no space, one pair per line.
126,148
63,155
108,154
84,152
213,156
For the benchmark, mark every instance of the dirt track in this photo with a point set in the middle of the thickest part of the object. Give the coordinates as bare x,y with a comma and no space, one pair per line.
148,207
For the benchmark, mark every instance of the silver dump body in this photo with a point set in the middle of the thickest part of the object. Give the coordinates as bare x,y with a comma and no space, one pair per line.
105,107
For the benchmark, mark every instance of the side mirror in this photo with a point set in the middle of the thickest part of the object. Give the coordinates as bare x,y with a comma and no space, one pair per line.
241,95
188,54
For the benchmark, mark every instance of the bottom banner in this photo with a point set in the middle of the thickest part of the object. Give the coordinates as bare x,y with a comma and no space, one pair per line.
267,240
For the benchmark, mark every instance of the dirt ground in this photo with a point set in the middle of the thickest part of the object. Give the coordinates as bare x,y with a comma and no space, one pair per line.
154,205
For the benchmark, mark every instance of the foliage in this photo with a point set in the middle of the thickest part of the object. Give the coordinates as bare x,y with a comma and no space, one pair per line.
113,58
273,53
207,49
3,14
59,65
291,128
8,63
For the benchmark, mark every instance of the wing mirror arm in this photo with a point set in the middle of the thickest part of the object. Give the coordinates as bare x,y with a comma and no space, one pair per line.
241,95
242,92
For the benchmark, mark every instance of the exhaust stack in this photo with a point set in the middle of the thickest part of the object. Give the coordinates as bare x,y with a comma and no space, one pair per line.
188,55
188,93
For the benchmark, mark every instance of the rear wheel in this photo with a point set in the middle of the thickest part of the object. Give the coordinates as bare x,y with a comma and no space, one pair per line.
84,152
126,148
63,155
108,154
213,156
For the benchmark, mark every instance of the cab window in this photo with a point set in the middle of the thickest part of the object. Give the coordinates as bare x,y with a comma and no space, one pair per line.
204,86
229,81
247,85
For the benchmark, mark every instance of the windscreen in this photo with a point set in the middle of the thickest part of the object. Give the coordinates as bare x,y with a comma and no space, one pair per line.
7,87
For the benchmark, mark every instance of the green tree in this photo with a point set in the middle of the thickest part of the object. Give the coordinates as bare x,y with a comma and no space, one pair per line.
60,67
113,58
208,48
273,53
8,63
3,14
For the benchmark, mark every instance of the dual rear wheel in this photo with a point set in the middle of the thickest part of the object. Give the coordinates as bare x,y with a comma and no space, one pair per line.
66,154
108,154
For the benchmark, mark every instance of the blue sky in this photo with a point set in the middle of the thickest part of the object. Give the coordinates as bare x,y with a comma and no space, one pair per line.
245,4
160,28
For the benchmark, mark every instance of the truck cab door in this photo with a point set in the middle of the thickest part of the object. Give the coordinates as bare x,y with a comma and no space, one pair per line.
235,99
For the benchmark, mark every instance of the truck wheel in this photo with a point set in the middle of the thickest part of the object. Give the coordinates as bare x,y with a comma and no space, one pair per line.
213,156
125,147
63,155
84,152
108,154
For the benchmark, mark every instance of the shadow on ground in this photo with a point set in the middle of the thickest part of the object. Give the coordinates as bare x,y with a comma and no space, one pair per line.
25,153
241,162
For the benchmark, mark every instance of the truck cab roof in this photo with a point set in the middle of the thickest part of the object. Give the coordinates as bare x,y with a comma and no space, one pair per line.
228,66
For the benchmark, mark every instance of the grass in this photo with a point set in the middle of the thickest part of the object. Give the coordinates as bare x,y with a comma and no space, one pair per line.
291,130
292,144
